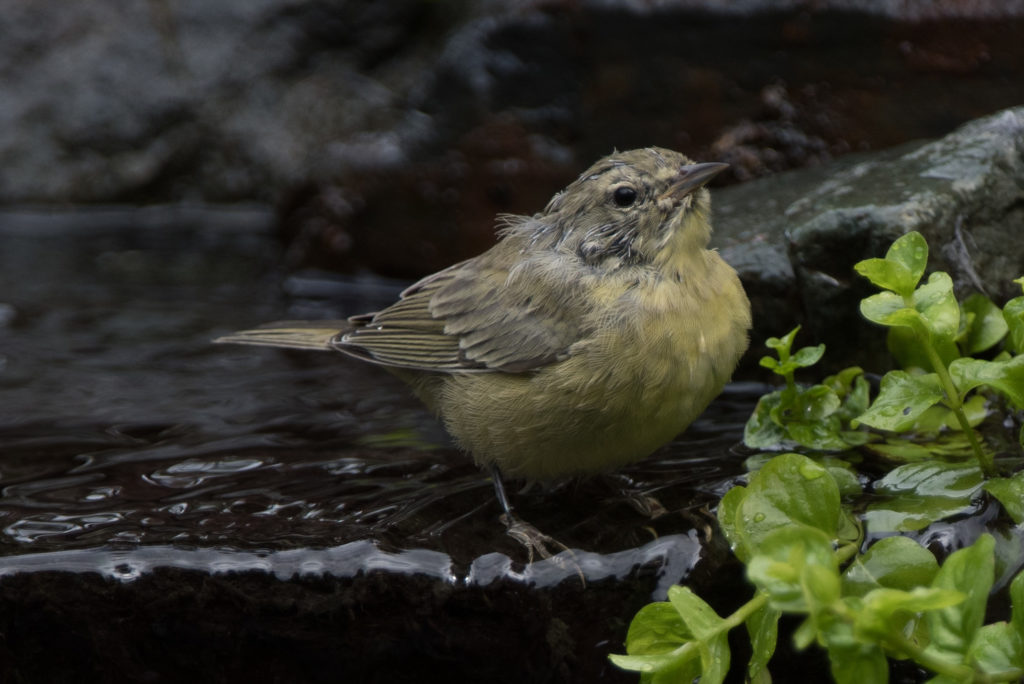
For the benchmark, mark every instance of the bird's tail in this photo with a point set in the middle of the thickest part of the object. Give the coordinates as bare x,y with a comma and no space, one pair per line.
291,334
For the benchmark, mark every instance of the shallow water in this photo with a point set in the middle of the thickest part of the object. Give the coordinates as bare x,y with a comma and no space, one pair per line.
124,427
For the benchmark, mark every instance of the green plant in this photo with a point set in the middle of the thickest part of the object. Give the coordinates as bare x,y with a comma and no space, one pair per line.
927,322
801,546
816,417
800,551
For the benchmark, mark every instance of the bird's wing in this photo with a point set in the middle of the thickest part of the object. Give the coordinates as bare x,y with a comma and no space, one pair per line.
472,317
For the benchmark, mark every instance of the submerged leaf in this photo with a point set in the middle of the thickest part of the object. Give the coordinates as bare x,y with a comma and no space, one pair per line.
918,494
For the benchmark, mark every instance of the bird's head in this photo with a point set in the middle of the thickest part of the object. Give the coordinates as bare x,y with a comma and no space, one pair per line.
646,206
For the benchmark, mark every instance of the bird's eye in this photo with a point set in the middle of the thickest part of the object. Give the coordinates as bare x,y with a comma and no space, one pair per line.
624,196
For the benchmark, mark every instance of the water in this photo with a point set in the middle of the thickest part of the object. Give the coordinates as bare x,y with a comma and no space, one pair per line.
123,427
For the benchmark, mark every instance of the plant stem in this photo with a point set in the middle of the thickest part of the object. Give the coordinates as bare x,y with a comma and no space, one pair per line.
903,646
743,612
956,405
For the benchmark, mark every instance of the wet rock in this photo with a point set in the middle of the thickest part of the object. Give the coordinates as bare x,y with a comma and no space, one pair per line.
347,614
795,237
552,87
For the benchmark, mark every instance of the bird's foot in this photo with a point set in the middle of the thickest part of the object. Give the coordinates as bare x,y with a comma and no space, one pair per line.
535,541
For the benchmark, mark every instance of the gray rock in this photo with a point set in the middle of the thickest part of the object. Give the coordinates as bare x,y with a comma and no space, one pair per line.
118,101
126,101
795,237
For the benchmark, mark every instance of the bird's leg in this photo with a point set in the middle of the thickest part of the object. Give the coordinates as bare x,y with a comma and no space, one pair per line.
523,532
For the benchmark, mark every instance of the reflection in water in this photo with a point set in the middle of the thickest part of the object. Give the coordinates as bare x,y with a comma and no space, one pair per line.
122,426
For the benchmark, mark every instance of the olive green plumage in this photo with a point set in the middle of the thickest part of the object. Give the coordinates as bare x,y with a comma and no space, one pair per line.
591,334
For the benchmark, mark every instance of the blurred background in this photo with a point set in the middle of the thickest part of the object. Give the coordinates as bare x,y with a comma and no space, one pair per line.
386,135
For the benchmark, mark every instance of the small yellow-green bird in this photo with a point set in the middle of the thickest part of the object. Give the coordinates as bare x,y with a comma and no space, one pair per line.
589,335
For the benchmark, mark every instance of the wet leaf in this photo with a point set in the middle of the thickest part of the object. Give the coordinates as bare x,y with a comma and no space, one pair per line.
970,571
657,646
808,356
986,324
1010,493
997,648
1013,314
921,493
789,489
901,399
656,629
851,661
761,432
779,568
728,508
1005,377
905,346
1017,601
882,610
763,628
708,631
890,563
938,307
902,267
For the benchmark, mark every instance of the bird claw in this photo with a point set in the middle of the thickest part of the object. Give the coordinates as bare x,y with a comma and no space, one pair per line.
535,541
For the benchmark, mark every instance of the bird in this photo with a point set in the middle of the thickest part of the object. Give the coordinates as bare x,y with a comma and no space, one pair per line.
589,335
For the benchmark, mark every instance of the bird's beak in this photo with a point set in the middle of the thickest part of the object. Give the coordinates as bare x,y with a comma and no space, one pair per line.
691,177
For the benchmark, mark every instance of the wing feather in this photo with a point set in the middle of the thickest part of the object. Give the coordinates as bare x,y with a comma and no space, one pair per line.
473,317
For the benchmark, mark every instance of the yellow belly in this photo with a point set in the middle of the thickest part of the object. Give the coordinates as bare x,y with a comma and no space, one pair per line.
630,388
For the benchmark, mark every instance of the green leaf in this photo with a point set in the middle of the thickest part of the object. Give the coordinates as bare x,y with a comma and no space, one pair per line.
888,308
918,494
783,344
851,661
884,611
852,388
789,489
1010,493
822,436
901,450
940,417
902,397
997,648
700,619
971,571
707,628
648,663
1017,601
931,478
932,312
808,356
844,475
986,325
780,567
938,307
656,629
761,431
887,275
660,645
905,346
891,563
815,403
1013,314
728,509
902,267
1005,377
763,628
